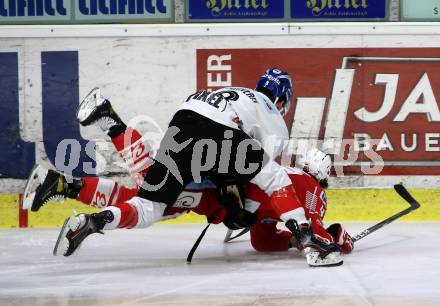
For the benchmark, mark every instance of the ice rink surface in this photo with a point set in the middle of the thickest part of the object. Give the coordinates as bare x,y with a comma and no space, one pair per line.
397,265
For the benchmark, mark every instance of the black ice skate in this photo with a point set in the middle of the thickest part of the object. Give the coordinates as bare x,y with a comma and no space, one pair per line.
45,185
317,253
95,109
77,228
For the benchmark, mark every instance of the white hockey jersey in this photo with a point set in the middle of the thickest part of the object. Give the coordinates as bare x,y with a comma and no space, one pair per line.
255,114
245,109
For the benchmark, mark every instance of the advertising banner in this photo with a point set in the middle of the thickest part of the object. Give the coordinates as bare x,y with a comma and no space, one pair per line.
85,11
422,10
376,110
338,10
235,10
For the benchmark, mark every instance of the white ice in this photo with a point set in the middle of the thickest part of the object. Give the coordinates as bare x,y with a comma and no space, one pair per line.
397,265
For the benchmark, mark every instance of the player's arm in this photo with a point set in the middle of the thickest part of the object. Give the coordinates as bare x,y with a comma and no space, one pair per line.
275,182
335,233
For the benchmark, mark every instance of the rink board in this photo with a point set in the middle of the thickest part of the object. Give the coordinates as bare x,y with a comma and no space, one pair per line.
343,205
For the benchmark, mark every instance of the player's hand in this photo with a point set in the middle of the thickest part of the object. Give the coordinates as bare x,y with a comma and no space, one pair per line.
342,238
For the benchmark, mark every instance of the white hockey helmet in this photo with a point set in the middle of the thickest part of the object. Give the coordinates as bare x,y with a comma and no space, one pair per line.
316,163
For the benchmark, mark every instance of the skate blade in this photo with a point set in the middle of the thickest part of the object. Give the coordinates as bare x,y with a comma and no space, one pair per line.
36,177
62,244
331,260
229,236
89,104
26,201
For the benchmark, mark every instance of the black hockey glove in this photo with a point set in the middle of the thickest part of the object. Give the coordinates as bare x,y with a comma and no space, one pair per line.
236,217
240,219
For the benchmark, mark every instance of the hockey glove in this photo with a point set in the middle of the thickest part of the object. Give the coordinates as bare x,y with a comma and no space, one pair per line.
239,218
236,217
342,238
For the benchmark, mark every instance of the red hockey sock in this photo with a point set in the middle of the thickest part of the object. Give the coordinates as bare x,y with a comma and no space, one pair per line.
129,215
126,139
126,193
134,152
98,192
88,190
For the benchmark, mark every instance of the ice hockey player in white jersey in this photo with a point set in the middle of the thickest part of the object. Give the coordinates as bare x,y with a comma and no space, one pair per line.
216,135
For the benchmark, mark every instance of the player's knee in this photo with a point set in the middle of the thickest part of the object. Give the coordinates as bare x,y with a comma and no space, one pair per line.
266,238
258,237
259,246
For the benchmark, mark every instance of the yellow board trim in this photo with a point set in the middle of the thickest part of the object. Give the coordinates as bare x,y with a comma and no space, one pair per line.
8,210
343,205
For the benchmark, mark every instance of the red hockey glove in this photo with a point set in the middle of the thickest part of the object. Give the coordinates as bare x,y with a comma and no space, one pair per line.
342,238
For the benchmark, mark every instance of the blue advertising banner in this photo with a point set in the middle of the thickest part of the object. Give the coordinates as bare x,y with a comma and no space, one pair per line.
235,10
62,140
338,9
85,11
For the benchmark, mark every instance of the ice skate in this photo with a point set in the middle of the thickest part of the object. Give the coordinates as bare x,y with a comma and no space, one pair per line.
77,228
96,109
317,252
36,177
314,259
45,185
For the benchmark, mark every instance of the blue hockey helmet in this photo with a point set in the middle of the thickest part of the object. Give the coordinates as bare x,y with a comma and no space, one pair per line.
277,85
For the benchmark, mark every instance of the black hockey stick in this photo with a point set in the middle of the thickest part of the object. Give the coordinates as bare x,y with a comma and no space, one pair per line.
401,190
229,234
196,244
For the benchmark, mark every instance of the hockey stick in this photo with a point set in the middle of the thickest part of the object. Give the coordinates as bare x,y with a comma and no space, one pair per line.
229,234
196,244
401,190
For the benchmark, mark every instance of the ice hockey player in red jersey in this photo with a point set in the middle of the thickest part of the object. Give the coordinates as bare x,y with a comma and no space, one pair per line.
310,185
240,115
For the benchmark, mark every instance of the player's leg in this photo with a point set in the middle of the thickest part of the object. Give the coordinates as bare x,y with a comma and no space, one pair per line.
174,162
102,192
134,213
45,185
95,109
134,150
265,237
